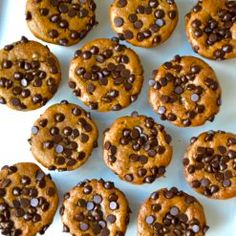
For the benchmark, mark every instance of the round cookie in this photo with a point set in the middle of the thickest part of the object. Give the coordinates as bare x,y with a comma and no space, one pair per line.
145,23
105,75
210,164
185,91
63,22
28,200
171,212
137,149
29,75
211,29
63,137
95,207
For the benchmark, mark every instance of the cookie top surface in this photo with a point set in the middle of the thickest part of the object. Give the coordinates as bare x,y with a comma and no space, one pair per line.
137,149
95,207
29,75
171,212
144,23
185,91
210,164
28,200
63,137
63,22
105,75
211,28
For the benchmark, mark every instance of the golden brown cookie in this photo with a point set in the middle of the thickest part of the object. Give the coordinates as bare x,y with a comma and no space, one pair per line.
29,75
145,23
63,137
63,22
28,200
105,75
185,91
95,207
137,149
211,28
169,212
210,164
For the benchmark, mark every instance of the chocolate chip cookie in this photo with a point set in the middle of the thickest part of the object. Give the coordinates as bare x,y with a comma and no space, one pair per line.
211,29
210,164
137,149
185,91
95,207
171,212
63,137
145,23
29,75
105,75
63,22
28,200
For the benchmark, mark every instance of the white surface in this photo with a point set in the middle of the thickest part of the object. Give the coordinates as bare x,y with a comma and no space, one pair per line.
15,126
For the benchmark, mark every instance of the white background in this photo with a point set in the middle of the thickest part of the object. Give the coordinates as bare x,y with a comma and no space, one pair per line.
15,126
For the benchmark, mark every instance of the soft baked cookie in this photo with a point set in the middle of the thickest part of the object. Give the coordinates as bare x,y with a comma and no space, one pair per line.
170,212
185,91
29,75
210,164
105,75
145,23
95,207
63,22
137,149
211,28
63,137
28,200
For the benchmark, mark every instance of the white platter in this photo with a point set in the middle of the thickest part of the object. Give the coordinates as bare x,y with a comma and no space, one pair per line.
15,126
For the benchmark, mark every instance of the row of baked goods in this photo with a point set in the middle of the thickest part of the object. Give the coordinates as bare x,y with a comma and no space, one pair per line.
108,76
135,148
210,25
29,200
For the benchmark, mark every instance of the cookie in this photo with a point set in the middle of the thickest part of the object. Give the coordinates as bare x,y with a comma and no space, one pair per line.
171,212
28,200
185,91
63,137
29,75
105,75
137,149
59,22
95,207
210,164
211,28
145,23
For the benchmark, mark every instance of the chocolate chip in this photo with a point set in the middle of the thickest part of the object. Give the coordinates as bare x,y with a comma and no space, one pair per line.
226,183
97,198
150,219
118,21
195,97
84,226
111,218
174,211
129,177
34,130
128,34
53,33
122,3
